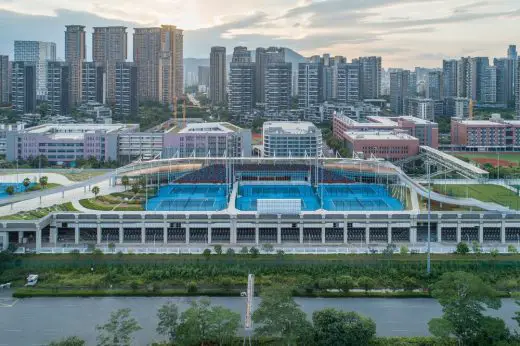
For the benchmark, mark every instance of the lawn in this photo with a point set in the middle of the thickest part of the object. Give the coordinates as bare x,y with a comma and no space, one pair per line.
486,193
114,202
39,213
492,158
84,175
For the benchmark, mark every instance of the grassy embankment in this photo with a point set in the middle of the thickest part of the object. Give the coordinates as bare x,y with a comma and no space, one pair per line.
309,275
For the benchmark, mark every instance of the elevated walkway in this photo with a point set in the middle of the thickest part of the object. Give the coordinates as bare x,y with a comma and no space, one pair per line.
465,169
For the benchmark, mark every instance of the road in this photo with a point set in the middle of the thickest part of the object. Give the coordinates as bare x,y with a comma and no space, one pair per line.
36,321
60,189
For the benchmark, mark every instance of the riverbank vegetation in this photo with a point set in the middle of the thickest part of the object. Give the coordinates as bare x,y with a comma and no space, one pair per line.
279,320
391,274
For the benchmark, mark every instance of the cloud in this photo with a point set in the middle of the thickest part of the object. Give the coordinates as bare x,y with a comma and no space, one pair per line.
396,29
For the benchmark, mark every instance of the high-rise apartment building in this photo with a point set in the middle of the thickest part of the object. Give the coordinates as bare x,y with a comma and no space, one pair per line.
505,81
278,86
217,75
58,86
347,83
513,55
24,87
399,91
4,79
203,75
93,79
75,53
449,78
158,55
241,99
370,77
478,66
464,78
109,46
262,59
517,89
126,92
488,92
37,53
309,85
434,86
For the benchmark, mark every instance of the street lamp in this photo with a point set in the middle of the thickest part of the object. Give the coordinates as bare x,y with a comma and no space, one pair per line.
428,262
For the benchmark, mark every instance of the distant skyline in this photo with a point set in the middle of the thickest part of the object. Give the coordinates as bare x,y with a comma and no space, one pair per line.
406,33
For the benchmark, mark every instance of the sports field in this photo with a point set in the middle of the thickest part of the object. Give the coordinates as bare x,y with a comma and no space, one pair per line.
485,193
506,159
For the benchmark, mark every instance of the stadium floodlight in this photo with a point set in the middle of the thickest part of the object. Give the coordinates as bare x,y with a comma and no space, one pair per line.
428,260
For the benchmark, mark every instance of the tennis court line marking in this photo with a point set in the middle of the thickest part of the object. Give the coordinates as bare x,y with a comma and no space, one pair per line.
4,305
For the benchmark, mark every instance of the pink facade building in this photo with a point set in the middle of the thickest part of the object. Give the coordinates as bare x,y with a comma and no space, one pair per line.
425,131
390,145
495,134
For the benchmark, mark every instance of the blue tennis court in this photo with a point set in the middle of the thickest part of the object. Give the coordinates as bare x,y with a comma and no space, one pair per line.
248,195
189,197
358,197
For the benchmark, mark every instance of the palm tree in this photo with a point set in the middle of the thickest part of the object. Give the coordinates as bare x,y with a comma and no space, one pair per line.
44,181
10,190
125,181
26,183
95,191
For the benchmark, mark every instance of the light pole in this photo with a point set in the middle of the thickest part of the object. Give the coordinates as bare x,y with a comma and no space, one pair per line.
498,164
428,260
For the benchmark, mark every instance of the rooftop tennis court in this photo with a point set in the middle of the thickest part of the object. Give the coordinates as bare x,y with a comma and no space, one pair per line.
189,197
358,197
248,195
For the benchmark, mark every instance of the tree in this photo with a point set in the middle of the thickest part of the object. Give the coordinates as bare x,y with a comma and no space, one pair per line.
26,183
279,316
118,330
95,191
462,248
477,249
202,323
70,341
10,190
244,250
345,282
135,188
404,250
218,249
230,252
326,283
267,248
333,327
206,253
125,181
464,297
168,316
44,180
366,283
112,247
512,249
254,252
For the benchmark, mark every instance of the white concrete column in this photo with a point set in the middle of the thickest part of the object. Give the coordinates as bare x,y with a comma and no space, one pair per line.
121,234
4,240
20,237
53,235
345,232
165,234
187,228
503,232
323,228
257,235
459,232
98,234
76,234
38,240
279,234
143,235
367,234
301,232
389,230
209,233
439,231
481,233
233,230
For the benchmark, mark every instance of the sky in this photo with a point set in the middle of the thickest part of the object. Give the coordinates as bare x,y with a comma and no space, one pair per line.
406,33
